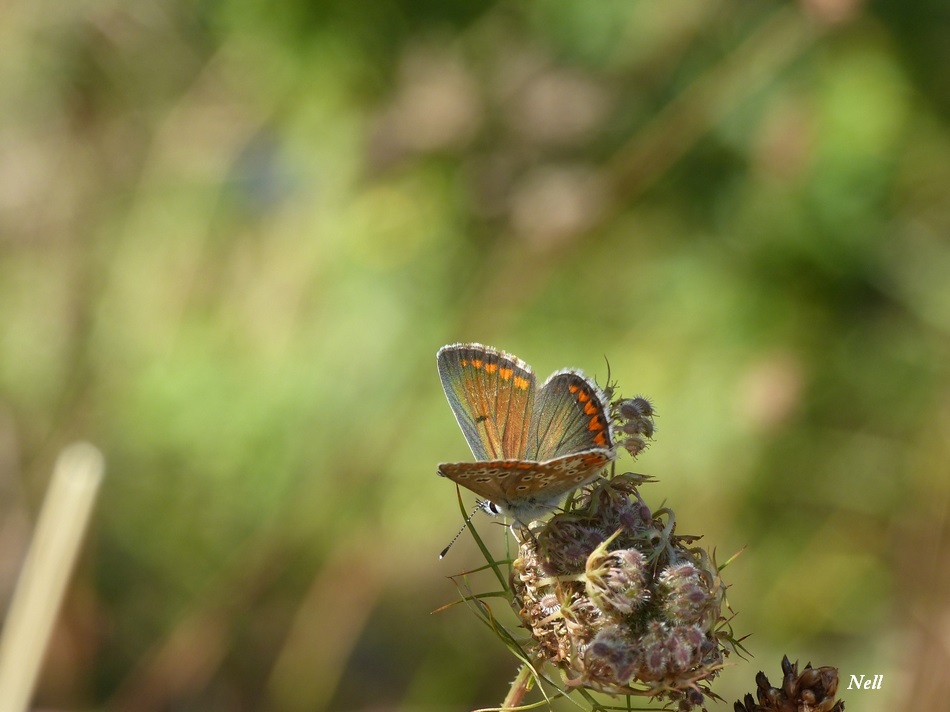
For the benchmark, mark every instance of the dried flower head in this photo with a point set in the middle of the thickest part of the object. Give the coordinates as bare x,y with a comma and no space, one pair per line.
639,610
813,690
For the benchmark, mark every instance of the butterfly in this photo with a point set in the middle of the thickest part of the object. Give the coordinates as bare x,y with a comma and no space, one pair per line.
532,445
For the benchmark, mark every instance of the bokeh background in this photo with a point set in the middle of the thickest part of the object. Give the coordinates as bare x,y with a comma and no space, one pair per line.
233,235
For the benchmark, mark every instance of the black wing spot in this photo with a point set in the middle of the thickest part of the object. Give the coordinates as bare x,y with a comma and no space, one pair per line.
481,418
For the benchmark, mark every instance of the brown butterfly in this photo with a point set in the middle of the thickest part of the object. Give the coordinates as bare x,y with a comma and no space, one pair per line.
532,445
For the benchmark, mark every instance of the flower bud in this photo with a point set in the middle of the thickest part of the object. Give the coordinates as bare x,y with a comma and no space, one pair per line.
615,580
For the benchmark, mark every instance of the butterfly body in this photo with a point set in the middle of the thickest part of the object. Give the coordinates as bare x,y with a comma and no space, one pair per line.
532,445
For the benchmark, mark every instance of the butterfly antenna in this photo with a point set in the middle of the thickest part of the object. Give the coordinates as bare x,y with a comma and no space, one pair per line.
468,520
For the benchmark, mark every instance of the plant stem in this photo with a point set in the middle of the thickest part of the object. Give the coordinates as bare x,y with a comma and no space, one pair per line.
519,686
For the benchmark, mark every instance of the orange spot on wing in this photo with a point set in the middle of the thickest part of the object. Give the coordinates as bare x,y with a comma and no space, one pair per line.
505,373
463,362
491,367
477,362
601,439
572,388
590,409
521,383
595,424
583,396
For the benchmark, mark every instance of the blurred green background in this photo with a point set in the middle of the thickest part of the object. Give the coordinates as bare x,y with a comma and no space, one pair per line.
233,235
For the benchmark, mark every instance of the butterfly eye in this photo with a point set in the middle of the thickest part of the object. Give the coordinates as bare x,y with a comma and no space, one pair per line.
490,507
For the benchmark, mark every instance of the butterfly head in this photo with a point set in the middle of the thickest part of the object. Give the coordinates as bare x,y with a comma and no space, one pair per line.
523,511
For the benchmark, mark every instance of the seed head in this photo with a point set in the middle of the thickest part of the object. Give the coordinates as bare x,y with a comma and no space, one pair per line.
811,691
616,600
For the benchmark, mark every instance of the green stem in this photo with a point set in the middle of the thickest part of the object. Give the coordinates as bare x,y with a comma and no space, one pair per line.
519,687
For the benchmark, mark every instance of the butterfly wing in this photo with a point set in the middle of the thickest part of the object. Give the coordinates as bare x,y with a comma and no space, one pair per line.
490,479
571,415
492,395
526,490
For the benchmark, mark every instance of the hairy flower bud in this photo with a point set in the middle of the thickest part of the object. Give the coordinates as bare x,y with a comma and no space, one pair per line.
688,595
634,417
615,580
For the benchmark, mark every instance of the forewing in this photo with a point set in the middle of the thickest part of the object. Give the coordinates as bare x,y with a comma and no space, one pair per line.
492,395
570,416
